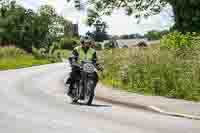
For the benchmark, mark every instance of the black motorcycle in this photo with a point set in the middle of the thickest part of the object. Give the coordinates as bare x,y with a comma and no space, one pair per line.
84,86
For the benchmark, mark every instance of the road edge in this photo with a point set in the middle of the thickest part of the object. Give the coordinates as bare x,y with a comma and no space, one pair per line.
144,107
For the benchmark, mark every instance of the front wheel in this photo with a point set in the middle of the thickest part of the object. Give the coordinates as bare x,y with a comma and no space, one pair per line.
89,92
75,93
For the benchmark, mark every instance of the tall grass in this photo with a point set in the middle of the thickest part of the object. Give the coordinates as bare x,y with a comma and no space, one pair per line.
154,71
55,55
11,51
12,58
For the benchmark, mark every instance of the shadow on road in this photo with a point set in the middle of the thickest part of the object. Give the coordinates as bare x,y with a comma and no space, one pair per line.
98,105
94,105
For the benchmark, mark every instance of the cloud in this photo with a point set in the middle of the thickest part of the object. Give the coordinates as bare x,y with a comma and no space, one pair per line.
122,24
32,4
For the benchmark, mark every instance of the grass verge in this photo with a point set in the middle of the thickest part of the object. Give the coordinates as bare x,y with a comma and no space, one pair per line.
154,71
14,58
20,62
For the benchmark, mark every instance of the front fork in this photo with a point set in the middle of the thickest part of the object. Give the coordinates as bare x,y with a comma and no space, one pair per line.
83,85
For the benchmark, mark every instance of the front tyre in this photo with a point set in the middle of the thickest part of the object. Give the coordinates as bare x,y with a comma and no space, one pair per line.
75,94
72,100
89,94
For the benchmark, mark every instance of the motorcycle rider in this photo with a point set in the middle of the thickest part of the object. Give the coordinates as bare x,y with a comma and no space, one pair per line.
84,51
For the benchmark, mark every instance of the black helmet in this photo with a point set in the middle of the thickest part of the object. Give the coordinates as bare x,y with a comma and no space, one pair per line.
85,39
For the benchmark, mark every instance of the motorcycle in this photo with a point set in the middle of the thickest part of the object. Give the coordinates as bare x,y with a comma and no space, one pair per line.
84,86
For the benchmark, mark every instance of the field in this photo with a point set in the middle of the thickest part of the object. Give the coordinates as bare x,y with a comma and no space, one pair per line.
154,71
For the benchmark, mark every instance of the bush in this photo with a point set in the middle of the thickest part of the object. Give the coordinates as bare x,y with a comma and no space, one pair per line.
39,53
64,43
98,46
62,53
12,58
68,43
20,62
108,45
177,40
61,49
11,51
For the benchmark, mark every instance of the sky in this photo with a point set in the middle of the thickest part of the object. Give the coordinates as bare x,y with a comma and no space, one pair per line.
118,22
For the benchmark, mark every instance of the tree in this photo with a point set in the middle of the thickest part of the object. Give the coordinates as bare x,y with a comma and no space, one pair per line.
186,12
26,28
100,33
11,21
155,35
124,36
49,26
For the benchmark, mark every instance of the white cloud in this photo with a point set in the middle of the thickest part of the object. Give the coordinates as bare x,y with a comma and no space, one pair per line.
118,22
32,4
123,24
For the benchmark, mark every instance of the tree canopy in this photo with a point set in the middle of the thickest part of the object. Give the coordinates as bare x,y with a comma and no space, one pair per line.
100,33
186,12
155,35
26,28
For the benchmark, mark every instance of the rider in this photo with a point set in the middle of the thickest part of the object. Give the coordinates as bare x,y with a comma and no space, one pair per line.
84,51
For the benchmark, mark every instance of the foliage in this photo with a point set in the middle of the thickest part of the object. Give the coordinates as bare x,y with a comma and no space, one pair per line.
55,55
98,46
186,15
124,37
100,34
20,62
62,53
12,58
39,53
64,43
141,8
11,51
128,36
69,43
108,45
186,12
177,40
26,28
153,71
155,35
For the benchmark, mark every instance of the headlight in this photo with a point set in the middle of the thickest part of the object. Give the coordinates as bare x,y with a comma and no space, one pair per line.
89,68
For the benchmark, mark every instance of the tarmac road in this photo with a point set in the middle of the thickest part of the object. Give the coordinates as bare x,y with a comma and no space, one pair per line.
32,100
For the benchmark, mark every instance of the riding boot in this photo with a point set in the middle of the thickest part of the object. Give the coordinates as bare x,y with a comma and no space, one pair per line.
70,90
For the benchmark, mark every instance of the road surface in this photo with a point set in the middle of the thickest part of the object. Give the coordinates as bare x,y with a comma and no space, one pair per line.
32,100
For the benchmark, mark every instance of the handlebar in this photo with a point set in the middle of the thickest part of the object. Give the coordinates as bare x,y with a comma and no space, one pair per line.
75,64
